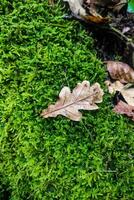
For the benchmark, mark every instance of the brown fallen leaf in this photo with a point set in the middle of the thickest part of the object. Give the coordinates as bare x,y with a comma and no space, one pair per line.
95,10
95,19
123,108
120,71
83,97
127,91
76,6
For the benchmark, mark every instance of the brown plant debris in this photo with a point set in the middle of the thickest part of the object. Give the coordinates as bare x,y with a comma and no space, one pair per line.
92,10
114,87
86,11
127,91
120,71
83,97
123,108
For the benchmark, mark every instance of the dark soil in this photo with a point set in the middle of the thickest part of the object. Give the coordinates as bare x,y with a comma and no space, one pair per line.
111,41
115,37
126,22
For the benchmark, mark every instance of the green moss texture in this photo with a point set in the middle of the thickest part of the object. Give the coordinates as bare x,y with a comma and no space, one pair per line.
55,158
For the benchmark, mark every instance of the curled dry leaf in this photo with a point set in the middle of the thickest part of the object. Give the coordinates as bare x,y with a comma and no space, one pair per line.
76,6
120,71
123,108
92,10
124,74
95,19
126,91
83,97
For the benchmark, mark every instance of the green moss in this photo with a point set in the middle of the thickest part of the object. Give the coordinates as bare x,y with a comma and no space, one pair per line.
55,158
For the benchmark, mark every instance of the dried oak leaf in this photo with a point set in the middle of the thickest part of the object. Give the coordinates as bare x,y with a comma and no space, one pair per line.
120,71
83,97
127,91
123,108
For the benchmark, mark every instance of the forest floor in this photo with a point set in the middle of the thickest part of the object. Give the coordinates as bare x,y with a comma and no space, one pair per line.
55,158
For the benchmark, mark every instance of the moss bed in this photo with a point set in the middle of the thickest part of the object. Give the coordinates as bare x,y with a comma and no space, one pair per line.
55,158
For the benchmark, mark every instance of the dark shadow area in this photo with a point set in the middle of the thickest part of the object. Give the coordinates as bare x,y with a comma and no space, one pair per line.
111,43
4,192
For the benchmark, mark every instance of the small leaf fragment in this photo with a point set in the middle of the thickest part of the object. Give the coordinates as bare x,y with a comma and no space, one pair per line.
114,87
123,108
120,71
127,91
128,94
76,7
83,97
95,19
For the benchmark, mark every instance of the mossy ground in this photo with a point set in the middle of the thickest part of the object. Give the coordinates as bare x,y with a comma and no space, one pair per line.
59,159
